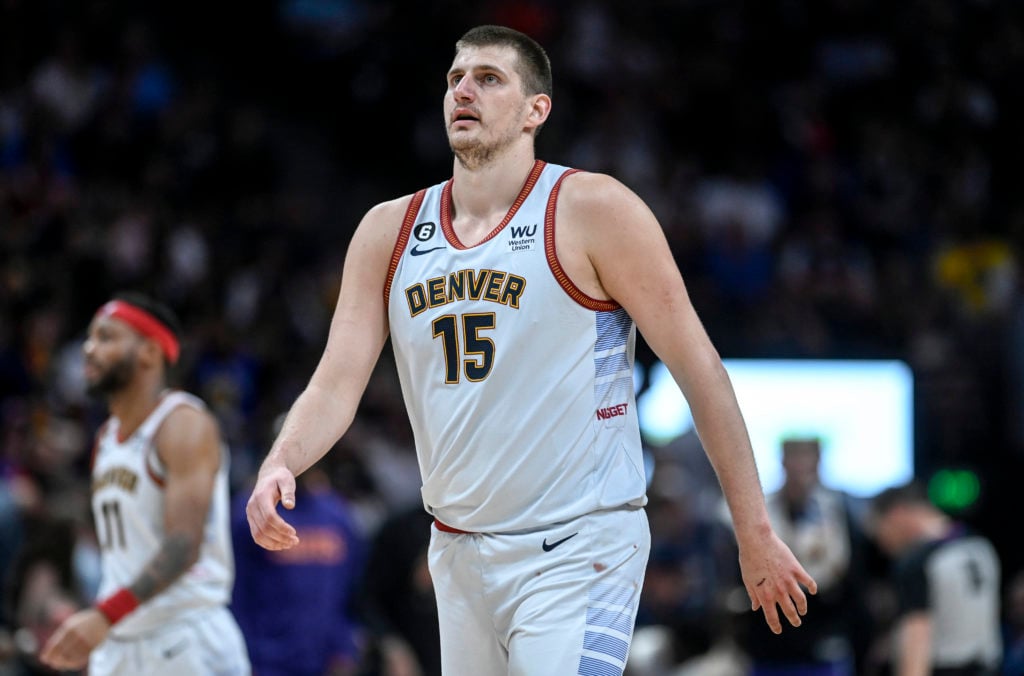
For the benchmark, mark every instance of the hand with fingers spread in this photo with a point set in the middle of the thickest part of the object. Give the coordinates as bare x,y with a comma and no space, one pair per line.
774,579
275,484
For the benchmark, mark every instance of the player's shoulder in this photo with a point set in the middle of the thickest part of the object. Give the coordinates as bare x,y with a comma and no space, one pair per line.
383,220
193,408
580,181
600,206
187,421
393,207
181,403
595,192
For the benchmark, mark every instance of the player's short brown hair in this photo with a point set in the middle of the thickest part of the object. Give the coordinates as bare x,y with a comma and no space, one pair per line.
534,65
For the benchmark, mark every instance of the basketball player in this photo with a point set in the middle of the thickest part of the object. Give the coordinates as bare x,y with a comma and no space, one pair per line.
510,294
160,504
947,585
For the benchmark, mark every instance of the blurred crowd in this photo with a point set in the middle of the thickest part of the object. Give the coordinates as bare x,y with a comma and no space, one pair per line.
837,178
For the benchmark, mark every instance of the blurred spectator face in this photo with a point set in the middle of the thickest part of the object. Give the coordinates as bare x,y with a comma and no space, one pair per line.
800,461
110,352
894,529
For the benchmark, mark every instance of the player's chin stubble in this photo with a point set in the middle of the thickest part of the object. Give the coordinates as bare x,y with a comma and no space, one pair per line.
473,153
115,378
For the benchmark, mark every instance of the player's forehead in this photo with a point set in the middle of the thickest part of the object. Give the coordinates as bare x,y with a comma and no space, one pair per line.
499,58
108,325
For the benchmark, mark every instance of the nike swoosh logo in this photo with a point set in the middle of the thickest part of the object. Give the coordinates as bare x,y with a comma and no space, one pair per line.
419,252
548,547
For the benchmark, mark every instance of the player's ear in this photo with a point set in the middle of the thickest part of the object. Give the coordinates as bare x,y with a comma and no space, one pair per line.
150,353
540,108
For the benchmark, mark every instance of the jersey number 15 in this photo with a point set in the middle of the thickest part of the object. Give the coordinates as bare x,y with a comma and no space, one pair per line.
478,349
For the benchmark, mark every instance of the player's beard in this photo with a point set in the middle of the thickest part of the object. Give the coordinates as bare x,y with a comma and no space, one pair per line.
114,379
473,153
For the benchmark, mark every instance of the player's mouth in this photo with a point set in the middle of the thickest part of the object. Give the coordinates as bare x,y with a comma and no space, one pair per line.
463,117
91,370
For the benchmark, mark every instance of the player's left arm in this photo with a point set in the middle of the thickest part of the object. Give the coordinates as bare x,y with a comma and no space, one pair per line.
189,447
914,641
633,265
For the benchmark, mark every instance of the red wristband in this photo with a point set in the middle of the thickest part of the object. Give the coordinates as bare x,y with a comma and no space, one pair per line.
118,604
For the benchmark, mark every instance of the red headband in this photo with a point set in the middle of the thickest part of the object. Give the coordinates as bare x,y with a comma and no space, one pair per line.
145,323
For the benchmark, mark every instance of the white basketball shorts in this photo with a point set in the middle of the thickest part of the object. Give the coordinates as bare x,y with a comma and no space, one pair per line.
202,642
555,601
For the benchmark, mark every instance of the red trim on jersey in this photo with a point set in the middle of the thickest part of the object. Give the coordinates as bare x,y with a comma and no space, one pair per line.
144,323
446,208
450,529
403,239
556,267
156,478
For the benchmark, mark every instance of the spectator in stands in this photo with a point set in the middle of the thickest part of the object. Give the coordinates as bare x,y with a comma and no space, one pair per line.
295,607
817,523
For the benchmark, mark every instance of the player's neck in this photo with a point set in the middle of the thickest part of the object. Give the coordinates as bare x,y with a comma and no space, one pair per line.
481,192
133,404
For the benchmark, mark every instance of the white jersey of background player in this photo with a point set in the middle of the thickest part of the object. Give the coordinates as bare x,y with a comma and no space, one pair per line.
555,598
127,505
160,506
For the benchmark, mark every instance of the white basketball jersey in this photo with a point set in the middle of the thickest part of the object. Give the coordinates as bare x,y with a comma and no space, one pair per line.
128,509
519,387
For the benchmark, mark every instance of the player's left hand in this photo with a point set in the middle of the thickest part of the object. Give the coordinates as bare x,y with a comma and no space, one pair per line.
75,638
775,580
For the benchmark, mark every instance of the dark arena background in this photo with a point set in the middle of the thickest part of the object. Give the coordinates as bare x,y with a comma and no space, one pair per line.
839,180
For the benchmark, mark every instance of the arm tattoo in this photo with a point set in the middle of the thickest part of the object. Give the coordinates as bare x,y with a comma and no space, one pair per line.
176,554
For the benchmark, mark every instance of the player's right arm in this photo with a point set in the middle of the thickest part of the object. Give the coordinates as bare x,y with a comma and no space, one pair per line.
326,408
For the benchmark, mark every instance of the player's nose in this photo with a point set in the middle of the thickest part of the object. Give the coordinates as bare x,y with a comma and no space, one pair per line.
464,90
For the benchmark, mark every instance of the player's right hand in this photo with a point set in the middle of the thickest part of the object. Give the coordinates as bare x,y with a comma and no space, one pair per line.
269,530
69,647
